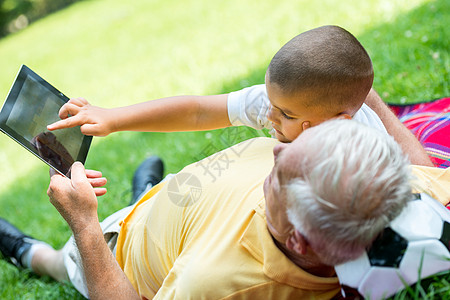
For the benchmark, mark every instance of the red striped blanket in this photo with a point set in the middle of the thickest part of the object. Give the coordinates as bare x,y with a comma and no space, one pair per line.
430,123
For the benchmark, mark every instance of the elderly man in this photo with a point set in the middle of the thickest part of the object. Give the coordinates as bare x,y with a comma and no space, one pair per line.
222,228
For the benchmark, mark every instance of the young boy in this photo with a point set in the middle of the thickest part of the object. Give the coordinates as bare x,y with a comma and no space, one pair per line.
321,74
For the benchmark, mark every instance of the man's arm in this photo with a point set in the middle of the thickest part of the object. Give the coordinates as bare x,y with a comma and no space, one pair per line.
181,113
410,145
76,201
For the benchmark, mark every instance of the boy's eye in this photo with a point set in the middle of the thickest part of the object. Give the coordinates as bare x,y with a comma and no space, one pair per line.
285,115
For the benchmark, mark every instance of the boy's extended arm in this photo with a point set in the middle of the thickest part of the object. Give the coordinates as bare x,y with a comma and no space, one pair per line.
181,113
410,145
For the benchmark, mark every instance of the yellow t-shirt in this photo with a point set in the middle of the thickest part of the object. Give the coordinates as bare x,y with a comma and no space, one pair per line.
433,181
203,235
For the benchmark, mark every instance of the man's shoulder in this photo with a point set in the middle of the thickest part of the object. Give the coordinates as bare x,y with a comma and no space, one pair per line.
250,158
255,146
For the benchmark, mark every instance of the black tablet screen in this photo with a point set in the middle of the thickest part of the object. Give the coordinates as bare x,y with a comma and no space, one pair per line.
31,105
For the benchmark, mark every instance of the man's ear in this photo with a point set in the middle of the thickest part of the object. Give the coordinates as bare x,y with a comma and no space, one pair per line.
297,242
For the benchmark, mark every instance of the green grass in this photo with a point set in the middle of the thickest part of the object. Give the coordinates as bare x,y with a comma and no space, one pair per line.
114,53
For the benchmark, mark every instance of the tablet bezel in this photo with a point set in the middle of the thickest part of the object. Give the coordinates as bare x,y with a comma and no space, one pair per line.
9,103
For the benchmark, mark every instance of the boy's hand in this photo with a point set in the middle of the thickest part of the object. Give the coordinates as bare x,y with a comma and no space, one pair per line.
76,198
93,120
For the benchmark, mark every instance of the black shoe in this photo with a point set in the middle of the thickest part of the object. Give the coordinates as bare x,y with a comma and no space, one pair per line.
14,243
148,174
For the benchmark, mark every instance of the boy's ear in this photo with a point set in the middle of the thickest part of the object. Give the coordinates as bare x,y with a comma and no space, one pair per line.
306,125
340,116
297,243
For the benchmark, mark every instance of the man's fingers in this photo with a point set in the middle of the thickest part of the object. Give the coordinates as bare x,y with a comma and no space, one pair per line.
93,173
81,179
78,174
56,181
100,191
97,182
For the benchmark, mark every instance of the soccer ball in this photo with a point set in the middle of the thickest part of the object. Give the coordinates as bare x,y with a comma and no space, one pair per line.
414,245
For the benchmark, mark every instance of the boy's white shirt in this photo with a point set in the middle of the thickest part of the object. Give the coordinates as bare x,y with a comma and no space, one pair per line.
250,106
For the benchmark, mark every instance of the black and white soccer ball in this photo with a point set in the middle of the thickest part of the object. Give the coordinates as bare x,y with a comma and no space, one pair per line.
414,245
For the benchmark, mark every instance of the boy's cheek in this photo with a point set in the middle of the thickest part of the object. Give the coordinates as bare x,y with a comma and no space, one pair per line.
292,133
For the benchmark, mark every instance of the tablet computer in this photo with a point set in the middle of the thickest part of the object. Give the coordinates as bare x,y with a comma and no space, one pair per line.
31,105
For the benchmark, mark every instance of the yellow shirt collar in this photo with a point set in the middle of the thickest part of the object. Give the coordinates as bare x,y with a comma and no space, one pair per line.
258,241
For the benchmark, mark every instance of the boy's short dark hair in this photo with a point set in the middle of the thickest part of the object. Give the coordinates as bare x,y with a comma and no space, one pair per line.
327,66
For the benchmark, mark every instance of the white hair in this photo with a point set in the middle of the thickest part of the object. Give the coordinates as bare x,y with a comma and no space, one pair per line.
353,180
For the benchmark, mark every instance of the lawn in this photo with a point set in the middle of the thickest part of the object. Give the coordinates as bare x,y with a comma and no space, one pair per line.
116,53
